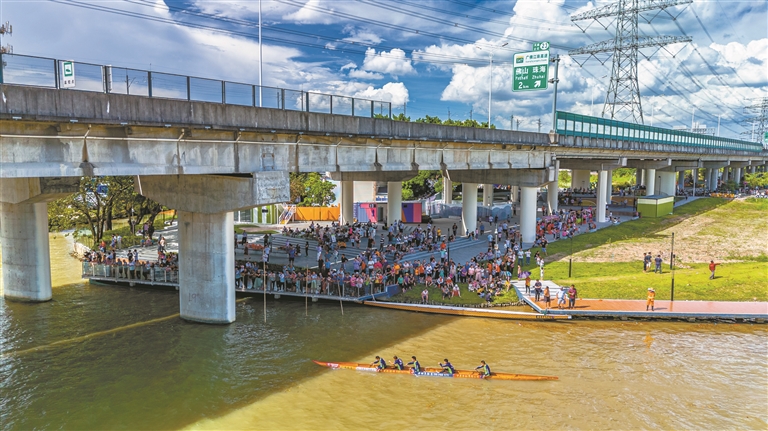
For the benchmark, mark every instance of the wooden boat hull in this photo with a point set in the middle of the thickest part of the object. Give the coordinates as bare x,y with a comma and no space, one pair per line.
433,372
465,311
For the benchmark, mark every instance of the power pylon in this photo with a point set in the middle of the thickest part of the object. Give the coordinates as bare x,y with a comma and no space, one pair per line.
759,122
623,97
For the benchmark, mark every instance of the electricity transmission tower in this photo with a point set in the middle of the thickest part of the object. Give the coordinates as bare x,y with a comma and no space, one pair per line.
759,121
623,97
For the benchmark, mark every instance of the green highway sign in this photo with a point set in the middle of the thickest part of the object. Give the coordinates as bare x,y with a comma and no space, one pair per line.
530,70
67,74
541,46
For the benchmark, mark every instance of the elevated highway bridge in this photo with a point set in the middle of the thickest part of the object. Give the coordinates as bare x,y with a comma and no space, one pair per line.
207,159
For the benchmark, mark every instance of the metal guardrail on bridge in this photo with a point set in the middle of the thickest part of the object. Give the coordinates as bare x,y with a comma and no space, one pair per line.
47,72
569,124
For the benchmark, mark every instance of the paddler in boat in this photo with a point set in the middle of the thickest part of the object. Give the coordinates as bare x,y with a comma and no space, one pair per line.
379,363
397,363
484,369
415,364
447,367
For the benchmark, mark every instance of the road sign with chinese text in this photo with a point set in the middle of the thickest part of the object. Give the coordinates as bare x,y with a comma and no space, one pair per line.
67,74
530,70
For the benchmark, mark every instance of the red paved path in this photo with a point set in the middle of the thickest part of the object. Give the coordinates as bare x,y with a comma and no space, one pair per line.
708,307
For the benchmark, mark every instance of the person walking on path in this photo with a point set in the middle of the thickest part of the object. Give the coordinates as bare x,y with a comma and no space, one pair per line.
712,267
647,260
651,298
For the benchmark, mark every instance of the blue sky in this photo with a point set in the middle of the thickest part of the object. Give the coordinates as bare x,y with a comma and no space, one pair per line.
426,56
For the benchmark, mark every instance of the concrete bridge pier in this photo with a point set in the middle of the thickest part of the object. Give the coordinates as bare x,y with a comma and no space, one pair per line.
528,214
609,186
206,233
447,190
580,178
650,182
469,207
602,189
553,189
681,177
487,195
394,201
347,201
667,182
24,234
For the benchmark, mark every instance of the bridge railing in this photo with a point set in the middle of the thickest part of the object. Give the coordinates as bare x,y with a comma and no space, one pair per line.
577,125
157,275
34,71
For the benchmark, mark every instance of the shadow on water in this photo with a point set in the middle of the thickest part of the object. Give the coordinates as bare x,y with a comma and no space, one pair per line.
147,369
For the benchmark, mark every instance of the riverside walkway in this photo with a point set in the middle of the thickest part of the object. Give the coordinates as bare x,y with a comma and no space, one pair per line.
635,309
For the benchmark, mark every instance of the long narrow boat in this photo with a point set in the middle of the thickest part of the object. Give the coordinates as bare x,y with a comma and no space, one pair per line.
467,311
432,372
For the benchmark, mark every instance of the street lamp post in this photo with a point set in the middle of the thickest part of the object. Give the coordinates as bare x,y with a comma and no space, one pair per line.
570,257
490,79
672,268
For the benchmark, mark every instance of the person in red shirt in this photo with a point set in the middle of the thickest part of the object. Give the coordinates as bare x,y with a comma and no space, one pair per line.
712,266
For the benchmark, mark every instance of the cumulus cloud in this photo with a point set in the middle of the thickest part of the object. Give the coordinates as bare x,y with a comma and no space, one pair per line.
393,63
394,92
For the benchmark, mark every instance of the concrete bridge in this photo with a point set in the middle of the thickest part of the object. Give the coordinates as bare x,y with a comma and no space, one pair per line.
208,159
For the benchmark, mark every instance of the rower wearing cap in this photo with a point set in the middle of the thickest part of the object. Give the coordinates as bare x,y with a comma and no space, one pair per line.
651,298
447,367
398,363
484,369
415,364
379,363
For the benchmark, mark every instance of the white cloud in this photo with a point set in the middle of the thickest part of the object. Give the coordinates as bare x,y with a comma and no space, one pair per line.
308,15
393,63
362,74
394,92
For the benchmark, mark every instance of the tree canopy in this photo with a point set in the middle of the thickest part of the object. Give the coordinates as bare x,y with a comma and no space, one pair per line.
309,189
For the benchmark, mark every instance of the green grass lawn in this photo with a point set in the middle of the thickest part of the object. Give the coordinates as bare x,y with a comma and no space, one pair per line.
743,281
467,297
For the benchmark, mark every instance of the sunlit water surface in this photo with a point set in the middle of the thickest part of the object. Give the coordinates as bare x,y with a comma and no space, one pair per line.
102,357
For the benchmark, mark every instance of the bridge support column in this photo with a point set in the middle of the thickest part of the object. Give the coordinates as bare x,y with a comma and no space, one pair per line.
469,207
650,182
513,192
712,184
726,174
487,195
602,179
681,177
24,235
206,267
394,201
528,214
609,186
447,191
552,196
667,183
347,201
206,233
579,179
737,175
26,258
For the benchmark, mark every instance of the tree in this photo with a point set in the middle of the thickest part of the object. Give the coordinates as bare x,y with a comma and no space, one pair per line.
98,201
425,184
309,189
757,179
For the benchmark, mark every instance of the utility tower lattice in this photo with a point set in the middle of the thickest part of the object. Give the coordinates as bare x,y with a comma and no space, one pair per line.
623,97
759,121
